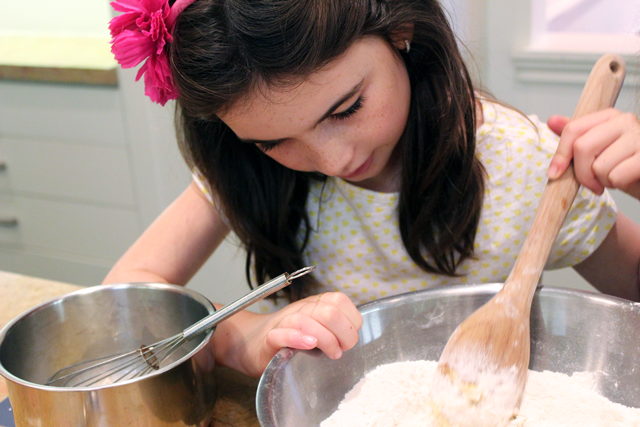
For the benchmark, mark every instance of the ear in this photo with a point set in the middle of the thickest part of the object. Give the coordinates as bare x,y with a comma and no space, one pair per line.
403,35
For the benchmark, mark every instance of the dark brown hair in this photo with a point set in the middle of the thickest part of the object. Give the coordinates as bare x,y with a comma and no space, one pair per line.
223,49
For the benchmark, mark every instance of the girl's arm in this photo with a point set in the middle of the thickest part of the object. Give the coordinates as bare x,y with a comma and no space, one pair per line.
614,268
605,149
175,245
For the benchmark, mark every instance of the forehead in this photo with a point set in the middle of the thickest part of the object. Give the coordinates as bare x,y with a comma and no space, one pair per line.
304,101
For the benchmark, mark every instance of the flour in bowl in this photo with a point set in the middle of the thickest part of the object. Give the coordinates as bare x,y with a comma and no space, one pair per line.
398,395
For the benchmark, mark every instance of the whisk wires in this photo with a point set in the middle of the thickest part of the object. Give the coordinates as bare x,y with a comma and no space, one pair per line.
146,359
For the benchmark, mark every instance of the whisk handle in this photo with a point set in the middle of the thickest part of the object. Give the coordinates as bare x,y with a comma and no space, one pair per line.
228,310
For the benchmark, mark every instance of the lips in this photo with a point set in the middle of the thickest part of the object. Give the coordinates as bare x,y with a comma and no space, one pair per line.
361,170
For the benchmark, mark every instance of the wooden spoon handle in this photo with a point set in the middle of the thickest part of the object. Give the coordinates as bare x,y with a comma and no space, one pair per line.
600,92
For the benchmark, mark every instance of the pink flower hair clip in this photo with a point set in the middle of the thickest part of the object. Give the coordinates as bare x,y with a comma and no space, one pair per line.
141,32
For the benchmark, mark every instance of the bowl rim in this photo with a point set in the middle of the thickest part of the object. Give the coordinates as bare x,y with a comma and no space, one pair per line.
196,296
284,355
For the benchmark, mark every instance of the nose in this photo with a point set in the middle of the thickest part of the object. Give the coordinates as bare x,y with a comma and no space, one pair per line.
330,156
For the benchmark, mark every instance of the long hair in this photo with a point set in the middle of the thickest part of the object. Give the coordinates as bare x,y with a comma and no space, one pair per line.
224,49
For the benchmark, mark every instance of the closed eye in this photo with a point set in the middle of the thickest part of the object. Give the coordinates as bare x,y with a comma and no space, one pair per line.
268,146
349,111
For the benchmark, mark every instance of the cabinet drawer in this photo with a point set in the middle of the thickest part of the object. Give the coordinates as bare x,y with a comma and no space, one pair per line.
67,227
93,173
85,114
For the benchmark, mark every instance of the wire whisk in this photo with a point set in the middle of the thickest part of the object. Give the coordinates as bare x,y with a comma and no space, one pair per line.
149,358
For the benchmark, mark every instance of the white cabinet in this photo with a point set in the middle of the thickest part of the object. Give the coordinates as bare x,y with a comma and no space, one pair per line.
68,208
83,171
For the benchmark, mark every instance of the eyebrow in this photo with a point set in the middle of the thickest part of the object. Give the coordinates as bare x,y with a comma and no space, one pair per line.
329,112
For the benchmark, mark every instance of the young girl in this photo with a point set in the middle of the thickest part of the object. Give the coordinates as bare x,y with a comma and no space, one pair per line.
346,135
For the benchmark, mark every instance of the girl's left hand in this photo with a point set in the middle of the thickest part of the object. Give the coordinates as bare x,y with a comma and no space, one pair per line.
605,148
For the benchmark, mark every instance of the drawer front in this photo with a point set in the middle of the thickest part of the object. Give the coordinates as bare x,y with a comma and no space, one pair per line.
91,115
92,173
66,227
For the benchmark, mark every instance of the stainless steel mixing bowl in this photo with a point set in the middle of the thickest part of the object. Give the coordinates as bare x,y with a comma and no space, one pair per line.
571,331
100,321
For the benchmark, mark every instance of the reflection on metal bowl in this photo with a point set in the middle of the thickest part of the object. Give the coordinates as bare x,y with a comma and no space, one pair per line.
571,331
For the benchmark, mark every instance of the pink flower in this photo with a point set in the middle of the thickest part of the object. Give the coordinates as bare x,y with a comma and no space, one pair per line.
141,32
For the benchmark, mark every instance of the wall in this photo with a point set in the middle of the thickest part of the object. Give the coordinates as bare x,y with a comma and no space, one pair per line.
544,83
157,170
61,18
161,175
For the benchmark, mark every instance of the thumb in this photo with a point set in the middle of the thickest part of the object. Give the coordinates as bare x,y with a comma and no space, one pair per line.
557,123
562,158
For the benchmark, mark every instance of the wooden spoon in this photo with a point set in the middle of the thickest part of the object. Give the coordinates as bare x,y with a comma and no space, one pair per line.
482,371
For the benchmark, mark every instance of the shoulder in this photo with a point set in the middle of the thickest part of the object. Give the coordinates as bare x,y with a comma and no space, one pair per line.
509,135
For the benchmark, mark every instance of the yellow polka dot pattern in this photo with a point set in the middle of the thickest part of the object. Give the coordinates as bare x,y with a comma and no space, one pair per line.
355,243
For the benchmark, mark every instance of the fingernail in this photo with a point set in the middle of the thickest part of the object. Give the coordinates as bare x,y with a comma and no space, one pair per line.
553,171
309,340
337,354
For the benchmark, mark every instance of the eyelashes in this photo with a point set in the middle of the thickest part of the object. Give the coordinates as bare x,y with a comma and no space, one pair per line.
268,146
349,111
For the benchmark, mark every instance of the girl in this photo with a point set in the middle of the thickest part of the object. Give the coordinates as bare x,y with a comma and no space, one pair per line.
347,135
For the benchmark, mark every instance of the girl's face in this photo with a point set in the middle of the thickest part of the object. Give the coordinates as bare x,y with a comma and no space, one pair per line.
344,120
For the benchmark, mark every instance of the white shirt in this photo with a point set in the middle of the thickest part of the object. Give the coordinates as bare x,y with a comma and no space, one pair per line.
355,242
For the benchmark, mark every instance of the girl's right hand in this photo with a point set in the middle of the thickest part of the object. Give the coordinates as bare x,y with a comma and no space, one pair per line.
605,148
247,341
329,321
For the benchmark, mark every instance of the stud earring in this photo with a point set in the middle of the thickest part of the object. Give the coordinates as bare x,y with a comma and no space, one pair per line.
408,45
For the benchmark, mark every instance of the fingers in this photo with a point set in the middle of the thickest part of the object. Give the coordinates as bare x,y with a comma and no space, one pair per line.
557,123
626,176
331,319
608,155
571,132
292,338
285,335
564,152
338,319
618,164
590,140
583,140
345,305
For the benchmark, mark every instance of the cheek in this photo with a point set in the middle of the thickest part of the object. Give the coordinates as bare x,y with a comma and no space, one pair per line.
388,124
388,120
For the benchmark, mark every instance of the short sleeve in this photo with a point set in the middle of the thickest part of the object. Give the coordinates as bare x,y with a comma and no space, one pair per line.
588,223
203,185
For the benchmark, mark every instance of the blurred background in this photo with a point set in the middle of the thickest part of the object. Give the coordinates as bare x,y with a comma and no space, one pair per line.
87,161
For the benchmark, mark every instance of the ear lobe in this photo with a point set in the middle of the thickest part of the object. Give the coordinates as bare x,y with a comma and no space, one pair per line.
403,37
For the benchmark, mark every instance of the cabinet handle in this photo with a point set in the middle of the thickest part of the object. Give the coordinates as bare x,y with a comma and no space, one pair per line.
8,222
3,166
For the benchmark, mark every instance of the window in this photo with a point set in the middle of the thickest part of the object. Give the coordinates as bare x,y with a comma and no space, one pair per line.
586,16
586,26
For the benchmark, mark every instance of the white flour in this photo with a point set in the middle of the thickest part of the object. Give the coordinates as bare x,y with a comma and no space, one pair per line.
398,395
476,394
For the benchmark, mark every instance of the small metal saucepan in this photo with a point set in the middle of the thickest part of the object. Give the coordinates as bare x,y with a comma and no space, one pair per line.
103,320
